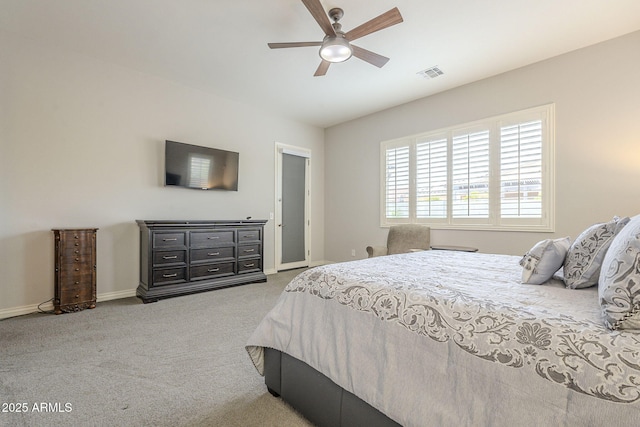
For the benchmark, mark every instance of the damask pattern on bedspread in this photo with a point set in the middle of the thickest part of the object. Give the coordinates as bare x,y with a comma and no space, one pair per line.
477,302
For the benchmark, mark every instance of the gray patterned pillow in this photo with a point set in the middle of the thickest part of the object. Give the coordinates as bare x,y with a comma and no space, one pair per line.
619,283
582,265
543,260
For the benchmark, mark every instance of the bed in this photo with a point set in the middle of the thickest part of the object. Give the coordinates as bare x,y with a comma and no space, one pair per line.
443,338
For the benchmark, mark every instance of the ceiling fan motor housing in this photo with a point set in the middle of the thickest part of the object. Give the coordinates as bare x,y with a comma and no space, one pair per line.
336,14
336,45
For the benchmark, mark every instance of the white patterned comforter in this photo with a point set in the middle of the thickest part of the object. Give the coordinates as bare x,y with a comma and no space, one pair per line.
394,329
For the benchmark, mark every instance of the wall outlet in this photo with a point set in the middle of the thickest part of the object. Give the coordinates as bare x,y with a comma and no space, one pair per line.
353,252
270,215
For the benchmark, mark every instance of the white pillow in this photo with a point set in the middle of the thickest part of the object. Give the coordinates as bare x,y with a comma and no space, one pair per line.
582,265
543,260
619,282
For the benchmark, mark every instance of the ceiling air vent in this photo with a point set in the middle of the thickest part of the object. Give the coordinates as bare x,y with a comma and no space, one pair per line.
430,73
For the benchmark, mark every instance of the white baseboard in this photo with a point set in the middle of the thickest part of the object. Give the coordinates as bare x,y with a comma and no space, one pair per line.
28,309
48,306
312,264
116,295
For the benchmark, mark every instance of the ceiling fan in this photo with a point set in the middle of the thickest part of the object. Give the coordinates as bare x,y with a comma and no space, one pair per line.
336,45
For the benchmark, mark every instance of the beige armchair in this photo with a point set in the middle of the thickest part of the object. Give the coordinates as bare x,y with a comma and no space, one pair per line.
402,239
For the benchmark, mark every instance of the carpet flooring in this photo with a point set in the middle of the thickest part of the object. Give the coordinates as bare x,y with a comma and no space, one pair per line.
176,362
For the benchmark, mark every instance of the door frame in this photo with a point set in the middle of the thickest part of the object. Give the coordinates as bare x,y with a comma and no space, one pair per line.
281,149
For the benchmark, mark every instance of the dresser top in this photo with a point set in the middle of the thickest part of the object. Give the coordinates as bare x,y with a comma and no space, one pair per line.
198,223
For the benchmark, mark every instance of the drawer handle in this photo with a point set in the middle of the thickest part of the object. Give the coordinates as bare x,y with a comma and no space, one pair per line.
213,254
249,265
213,270
170,257
170,240
246,236
213,237
249,250
166,276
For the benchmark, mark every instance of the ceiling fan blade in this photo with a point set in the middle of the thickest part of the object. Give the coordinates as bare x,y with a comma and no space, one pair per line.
370,57
318,13
322,68
293,44
381,22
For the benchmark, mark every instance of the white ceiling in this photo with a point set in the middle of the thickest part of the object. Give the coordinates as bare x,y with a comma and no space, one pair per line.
220,46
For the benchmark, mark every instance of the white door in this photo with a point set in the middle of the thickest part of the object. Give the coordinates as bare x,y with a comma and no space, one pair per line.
292,220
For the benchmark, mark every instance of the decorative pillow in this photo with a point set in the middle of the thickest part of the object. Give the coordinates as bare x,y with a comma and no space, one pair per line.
619,283
582,265
543,260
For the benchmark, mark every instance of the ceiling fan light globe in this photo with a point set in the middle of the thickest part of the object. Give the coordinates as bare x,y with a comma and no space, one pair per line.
335,49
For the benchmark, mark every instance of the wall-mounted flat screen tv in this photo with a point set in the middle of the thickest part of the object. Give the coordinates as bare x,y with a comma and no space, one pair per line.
203,168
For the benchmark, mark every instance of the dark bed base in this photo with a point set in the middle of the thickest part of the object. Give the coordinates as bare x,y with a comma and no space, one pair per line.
315,396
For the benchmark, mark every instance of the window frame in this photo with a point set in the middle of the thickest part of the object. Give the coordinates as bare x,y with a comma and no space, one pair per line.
494,221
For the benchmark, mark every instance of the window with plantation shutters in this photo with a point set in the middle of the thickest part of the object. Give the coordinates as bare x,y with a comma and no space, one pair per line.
470,175
431,178
494,174
521,170
397,182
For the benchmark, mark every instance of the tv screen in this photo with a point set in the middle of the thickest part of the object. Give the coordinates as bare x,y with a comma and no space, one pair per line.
204,168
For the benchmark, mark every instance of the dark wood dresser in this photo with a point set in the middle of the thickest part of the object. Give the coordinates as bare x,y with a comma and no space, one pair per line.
184,257
75,269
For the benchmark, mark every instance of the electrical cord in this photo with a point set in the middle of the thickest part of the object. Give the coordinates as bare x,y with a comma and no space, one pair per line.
45,312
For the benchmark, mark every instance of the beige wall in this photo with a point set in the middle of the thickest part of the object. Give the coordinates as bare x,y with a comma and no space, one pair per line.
597,95
82,145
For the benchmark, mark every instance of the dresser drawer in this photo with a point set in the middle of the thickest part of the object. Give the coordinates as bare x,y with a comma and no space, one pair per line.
167,276
211,254
249,265
75,269
212,238
81,257
248,236
212,270
248,250
74,294
72,250
169,257
168,240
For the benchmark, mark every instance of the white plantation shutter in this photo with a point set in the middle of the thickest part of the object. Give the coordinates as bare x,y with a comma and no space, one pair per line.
397,182
470,175
521,170
431,179
494,174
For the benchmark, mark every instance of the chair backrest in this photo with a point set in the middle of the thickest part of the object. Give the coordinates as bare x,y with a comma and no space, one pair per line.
403,238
